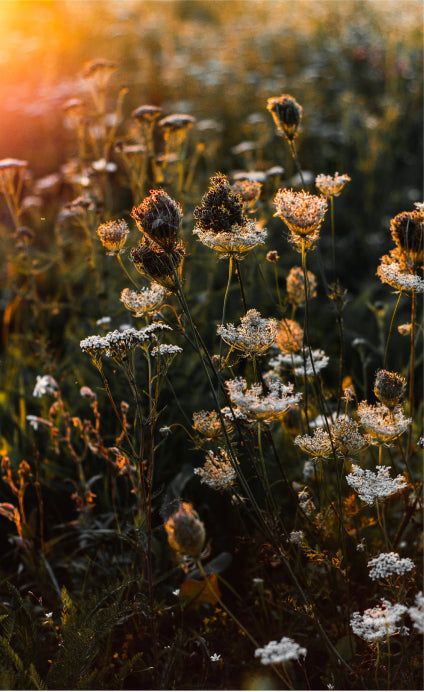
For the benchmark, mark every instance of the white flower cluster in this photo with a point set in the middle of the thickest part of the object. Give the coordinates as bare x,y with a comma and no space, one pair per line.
280,652
347,438
416,612
166,350
382,424
217,472
144,302
45,385
234,243
117,343
297,537
392,274
254,335
388,564
299,361
372,486
259,405
379,622
317,445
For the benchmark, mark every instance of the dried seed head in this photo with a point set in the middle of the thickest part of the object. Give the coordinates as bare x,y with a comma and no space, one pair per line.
113,235
407,232
303,213
157,264
296,286
249,191
221,208
273,256
389,388
289,336
186,533
159,218
287,114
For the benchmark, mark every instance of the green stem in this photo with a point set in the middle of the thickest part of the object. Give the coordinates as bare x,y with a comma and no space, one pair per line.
118,257
411,372
296,161
243,297
333,236
391,329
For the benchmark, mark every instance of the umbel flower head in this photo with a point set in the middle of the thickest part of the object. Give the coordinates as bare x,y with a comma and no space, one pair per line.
217,472
221,222
144,302
296,287
254,336
407,232
303,213
396,269
382,424
261,405
379,622
372,486
286,113
186,532
113,235
389,388
289,336
159,218
207,423
280,652
331,186
388,565
158,264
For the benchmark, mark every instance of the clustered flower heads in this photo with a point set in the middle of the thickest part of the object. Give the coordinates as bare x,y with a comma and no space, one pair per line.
345,440
389,564
159,218
286,113
144,302
117,343
331,186
391,272
280,652
158,265
382,424
296,287
416,612
379,622
262,405
207,423
300,363
217,472
372,486
289,336
221,222
254,336
303,213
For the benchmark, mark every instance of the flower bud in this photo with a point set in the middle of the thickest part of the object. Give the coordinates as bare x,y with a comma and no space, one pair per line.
389,388
287,114
186,533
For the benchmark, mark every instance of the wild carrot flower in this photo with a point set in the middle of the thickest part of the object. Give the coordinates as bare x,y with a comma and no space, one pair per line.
331,186
416,612
382,424
262,405
159,218
303,213
186,532
45,385
167,351
407,229
221,223
347,439
280,652
297,538
389,564
147,113
379,622
372,486
99,71
207,423
113,235
392,273
248,190
289,336
117,343
389,388
296,287
144,302
254,336
317,445
286,113
300,362
217,472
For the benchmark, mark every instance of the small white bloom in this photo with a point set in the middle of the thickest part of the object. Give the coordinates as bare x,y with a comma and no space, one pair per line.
379,622
104,321
215,657
45,385
416,612
389,564
297,537
280,652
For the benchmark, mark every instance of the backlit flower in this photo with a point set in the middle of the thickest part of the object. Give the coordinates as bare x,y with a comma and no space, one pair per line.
262,405
280,652
372,486
379,622
254,336
331,186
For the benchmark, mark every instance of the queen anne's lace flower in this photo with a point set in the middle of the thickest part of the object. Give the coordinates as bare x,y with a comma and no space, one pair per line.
347,438
416,612
302,212
259,405
392,274
217,471
331,186
297,362
145,301
280,652
297,537
254,335
389,564
374,486
233,243
379,622
117,343
166,350
381,424
207,423
317,445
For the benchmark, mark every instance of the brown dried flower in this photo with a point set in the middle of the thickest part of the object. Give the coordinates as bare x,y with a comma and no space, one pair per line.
287,114
113,235
186,532
157,264
389,388
159,218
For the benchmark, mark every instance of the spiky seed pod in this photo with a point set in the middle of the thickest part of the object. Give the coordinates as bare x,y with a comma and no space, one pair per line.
157,264
186,532
159,218
389,388
407,232
287,114
221,208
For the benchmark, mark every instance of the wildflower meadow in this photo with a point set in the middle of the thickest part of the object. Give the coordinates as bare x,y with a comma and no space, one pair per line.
211,400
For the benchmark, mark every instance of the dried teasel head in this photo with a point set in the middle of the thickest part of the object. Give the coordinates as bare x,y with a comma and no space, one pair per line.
221,208
389,388
287,114
159,218
186,532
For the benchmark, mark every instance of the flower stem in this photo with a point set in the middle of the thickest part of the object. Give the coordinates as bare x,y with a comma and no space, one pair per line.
391,329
